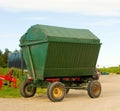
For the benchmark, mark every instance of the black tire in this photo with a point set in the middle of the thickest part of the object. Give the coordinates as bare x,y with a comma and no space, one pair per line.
94,89
56,91
27,89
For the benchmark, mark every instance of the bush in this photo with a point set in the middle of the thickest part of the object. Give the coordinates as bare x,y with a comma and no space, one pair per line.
16,73
7,91
115,70
10,92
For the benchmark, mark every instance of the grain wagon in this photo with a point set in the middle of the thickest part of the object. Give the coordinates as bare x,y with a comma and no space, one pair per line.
60,59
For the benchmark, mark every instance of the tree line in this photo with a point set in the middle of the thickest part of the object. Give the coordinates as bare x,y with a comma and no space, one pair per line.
4,57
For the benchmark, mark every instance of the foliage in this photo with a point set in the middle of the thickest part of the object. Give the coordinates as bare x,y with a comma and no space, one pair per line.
115,70
3,58
10,92
16,72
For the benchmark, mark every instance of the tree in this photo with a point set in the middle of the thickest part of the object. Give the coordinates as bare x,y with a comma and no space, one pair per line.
16,50
0,52
5,57
1,61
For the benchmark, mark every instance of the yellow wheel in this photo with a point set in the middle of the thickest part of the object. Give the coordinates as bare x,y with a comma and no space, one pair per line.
94,89
56,91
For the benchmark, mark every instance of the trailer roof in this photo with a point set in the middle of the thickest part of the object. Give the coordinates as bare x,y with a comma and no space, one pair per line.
59,34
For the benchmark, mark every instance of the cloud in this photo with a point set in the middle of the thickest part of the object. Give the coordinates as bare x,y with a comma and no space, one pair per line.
109,22
92,7
35,18
10,41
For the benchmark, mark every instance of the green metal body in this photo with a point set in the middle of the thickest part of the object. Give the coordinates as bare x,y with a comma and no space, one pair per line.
51,51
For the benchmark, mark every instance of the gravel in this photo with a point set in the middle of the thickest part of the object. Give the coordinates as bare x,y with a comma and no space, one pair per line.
76,100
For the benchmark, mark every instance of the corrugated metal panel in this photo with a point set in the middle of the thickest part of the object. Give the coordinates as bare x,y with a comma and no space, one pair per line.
56,52
73,59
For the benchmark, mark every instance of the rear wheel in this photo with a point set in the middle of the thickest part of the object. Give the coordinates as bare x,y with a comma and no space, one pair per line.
94,89
27,89
56,91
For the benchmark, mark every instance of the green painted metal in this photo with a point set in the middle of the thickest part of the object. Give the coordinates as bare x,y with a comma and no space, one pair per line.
59,52
58,34
31,62
68,59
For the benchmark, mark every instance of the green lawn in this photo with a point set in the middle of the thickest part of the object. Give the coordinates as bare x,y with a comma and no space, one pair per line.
10,92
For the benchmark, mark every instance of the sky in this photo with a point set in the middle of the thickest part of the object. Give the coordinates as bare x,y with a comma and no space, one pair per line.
101,17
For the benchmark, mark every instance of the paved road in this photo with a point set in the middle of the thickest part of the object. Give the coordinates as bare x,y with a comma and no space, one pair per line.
76,100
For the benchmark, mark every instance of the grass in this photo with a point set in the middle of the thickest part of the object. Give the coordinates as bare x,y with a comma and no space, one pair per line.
111,70
11,92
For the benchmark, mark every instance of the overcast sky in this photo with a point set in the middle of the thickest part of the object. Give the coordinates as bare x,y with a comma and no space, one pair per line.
101,17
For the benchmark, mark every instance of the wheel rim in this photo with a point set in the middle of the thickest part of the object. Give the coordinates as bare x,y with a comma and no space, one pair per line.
96,89
29,90
57,92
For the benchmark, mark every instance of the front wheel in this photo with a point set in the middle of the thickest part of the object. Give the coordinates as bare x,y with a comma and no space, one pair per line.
27,89
94,89
56,91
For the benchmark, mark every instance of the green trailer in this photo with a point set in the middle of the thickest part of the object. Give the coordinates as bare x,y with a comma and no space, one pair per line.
60,59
